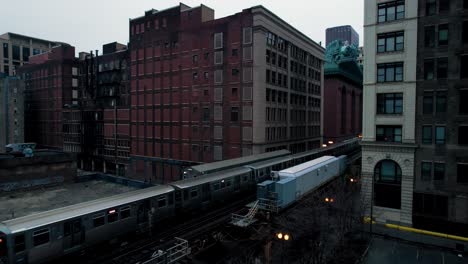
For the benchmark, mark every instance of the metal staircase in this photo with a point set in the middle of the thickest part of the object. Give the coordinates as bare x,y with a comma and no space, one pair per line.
245,220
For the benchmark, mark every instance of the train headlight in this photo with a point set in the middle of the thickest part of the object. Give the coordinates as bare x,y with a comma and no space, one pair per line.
280,235
286,237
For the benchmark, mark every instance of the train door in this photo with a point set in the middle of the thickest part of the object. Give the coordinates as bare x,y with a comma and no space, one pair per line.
237,183
206,192
142,213
73,233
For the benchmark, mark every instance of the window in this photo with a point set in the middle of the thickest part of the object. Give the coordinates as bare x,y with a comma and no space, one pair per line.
41,236
98,220
26,53
442,66
218,57
390,72
234,114
234,52
463,135
206,114
218,76
462,105
465,4
387,184
440,135
426,171
464,66
389,133
218,40
439,171
247,32
195,58
429,36
441,102
465,31
124,212
430,205
462,172
112,216
391,103
193,192
20,245
393,41
205,74
391,11
427,103
6,54
16,52
268,55
429,69
430,7
164,22
235,72
443,34
207,55
268,76
427,135
195,75
444,5
161,202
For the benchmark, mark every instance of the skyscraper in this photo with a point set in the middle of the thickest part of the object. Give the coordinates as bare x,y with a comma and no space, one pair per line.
343,33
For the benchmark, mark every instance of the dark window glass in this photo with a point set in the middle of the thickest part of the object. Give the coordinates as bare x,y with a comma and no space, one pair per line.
193,193
387,187
430,7
36,51
6,70
427,135
268,54
463,135
16,52
442,68
235,52
464,66
389,133
391,11
206,114
124,212
393,41
41,237
443,34
98,221
430,205
195,58
235,114
465,4
462,173
390,103
429,36
235,72
426,171
268,77
444,5
390,72
463,105
428,103
26,53
112,216
429,69
20,245
6,54
439,171
161,202
440,135
441,102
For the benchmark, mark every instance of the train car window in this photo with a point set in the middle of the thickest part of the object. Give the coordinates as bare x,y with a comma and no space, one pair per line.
67,228
223,184
112,216
193,192
228,183
244,178
3,246
20,245
41,236
124,212
98,220
216,186
161,202
186,197
171,199
262,172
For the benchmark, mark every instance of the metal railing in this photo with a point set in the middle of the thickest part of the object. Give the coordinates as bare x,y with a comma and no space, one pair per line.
172,254
245,220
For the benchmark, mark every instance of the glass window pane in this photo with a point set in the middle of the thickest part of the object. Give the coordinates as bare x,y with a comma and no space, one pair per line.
427,135
391,13
439,171
390,74
440,135
390,45
426,168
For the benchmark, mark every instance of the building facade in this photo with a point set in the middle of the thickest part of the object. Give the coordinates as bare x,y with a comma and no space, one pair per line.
342,97
12,112
205,89
51,83
343,33
389,114
441,167
15,50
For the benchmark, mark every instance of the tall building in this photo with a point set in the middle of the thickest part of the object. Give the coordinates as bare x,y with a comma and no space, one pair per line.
389,116
12,111
342,97
51,83
415,115
441,162
343,33
15,50
205,89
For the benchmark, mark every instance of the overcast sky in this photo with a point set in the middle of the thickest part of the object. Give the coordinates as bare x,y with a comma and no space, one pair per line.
87,24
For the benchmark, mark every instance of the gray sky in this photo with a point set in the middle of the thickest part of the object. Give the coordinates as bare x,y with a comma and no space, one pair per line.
87,24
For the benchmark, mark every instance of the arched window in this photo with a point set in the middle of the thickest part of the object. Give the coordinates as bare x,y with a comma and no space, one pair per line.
387,184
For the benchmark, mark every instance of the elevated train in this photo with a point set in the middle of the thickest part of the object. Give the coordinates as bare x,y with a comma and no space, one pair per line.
48,235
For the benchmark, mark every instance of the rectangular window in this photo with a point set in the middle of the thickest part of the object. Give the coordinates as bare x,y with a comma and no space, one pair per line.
234,52
161,202
440,135
426,171
427,135
41,236
26,54
439,171
206,114
391,103
218,79
390,72
393,41
430,7
444,5
463,135
112,216
218,57
234,114
428,103
462,105
124,212
98,220
442,68
429,69
218,40
195,58
247,33
6,54
462,172
20,244
16,52
389,133
193,192
464,67
443,34
429,36
391,11
441,102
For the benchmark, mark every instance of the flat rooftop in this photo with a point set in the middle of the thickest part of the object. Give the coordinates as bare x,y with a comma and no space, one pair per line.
22,203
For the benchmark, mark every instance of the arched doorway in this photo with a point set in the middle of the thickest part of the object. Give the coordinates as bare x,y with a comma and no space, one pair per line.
387,184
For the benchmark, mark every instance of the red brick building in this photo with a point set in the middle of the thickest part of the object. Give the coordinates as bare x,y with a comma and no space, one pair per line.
205,89
51,82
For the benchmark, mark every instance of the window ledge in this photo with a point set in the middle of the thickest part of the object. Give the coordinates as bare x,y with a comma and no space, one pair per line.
389,115
391,52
